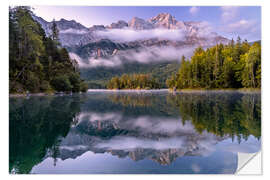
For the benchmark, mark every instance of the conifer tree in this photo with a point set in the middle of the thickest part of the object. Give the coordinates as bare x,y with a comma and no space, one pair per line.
55,32
221,66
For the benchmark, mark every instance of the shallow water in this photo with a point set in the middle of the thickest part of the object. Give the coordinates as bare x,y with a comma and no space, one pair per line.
133,132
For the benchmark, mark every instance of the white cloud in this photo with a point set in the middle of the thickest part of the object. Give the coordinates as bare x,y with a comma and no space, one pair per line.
129,143
242,27
194,10
147,124
205,29
229,13
204,144
74,31
234,24
77,58
147,55
126,35
95,116
201,29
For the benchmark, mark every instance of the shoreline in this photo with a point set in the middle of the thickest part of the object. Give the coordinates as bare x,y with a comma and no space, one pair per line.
37,94
115,90
242,90
30,94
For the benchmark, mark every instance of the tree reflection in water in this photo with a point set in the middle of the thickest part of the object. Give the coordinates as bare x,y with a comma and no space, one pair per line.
231,114
34,127
157,126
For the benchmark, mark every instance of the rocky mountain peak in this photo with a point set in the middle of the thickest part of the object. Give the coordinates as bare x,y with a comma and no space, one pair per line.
118,25
139,24
73,33
64,24
164,20
162,17
97,28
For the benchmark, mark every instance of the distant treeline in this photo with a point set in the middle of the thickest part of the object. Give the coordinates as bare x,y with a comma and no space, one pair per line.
38,63
236,65
97,78
133,81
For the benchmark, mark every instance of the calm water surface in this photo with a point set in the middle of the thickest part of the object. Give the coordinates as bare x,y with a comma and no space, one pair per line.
133,132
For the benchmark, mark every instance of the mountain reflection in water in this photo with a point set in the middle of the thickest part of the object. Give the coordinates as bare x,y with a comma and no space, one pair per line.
129,132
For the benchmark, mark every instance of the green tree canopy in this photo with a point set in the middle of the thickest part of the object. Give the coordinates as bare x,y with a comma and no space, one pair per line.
37,62
221,66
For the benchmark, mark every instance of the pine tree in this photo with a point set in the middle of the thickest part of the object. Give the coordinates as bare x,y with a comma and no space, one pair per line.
37,61
55,32
221,66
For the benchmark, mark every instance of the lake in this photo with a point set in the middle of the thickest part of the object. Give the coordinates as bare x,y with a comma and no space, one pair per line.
108,132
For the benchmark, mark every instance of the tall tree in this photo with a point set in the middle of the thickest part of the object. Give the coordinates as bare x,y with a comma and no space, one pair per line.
55,32
221,66
36,61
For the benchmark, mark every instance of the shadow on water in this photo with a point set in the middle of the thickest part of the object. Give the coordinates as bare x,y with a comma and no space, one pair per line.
159,132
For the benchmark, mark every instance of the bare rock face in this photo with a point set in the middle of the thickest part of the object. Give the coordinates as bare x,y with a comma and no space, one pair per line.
85,42
114,52
166,20
65,24
139,24
118,25
97,28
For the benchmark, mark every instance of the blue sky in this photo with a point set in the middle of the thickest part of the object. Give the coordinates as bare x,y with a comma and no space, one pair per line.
230,22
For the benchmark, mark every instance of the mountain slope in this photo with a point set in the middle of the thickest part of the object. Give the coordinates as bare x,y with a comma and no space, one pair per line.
136,46
84,35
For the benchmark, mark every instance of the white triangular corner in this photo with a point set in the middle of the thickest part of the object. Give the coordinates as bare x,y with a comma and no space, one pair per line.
249,163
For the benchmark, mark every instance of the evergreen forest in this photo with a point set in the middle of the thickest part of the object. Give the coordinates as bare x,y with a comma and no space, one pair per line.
236,65
38,63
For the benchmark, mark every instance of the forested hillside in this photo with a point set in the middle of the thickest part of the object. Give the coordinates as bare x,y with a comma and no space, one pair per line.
236,65
38,63
100,76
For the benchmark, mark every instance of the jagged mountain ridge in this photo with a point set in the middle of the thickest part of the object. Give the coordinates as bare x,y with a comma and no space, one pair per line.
103,133
73,33
101,58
